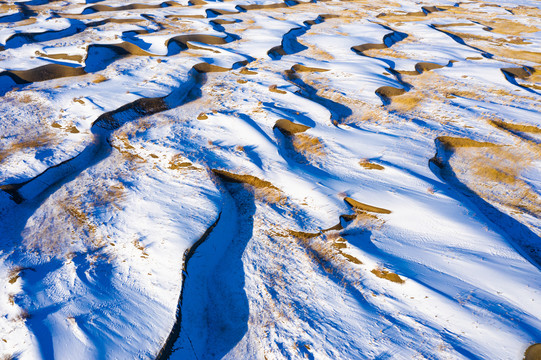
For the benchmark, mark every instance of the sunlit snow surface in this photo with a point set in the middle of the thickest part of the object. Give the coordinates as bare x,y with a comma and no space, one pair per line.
270,180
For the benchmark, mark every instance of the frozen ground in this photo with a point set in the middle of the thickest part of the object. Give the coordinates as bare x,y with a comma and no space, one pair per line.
270,180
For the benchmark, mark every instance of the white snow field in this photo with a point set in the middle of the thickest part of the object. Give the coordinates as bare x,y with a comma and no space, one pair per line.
256,179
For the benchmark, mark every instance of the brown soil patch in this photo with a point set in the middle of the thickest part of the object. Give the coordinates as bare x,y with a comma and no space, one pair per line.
99,79
262,189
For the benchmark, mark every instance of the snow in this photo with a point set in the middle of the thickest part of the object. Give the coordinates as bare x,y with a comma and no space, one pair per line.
152,208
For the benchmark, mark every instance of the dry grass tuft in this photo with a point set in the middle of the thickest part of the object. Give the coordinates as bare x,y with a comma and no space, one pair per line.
178,162
406,102
35,141
308,146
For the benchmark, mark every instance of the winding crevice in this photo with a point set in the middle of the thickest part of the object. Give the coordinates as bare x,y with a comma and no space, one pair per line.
167,348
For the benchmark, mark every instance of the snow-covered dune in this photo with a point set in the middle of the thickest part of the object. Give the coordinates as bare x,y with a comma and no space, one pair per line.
264,180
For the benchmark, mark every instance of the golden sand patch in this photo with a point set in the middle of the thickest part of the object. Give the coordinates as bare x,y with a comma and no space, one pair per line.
533,352
245,71
365,207
387,275
263,190
451,142
288,127
515,127
274,88
370,166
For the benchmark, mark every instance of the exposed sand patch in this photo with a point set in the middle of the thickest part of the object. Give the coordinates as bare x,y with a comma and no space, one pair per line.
389,91
516,127
274,88
407,102
451,142
32,142
533,352
370,166
387,275
180,163
209,68
421,67
77,58
262,189
43,73
245,71
288,127
365,207
302,68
